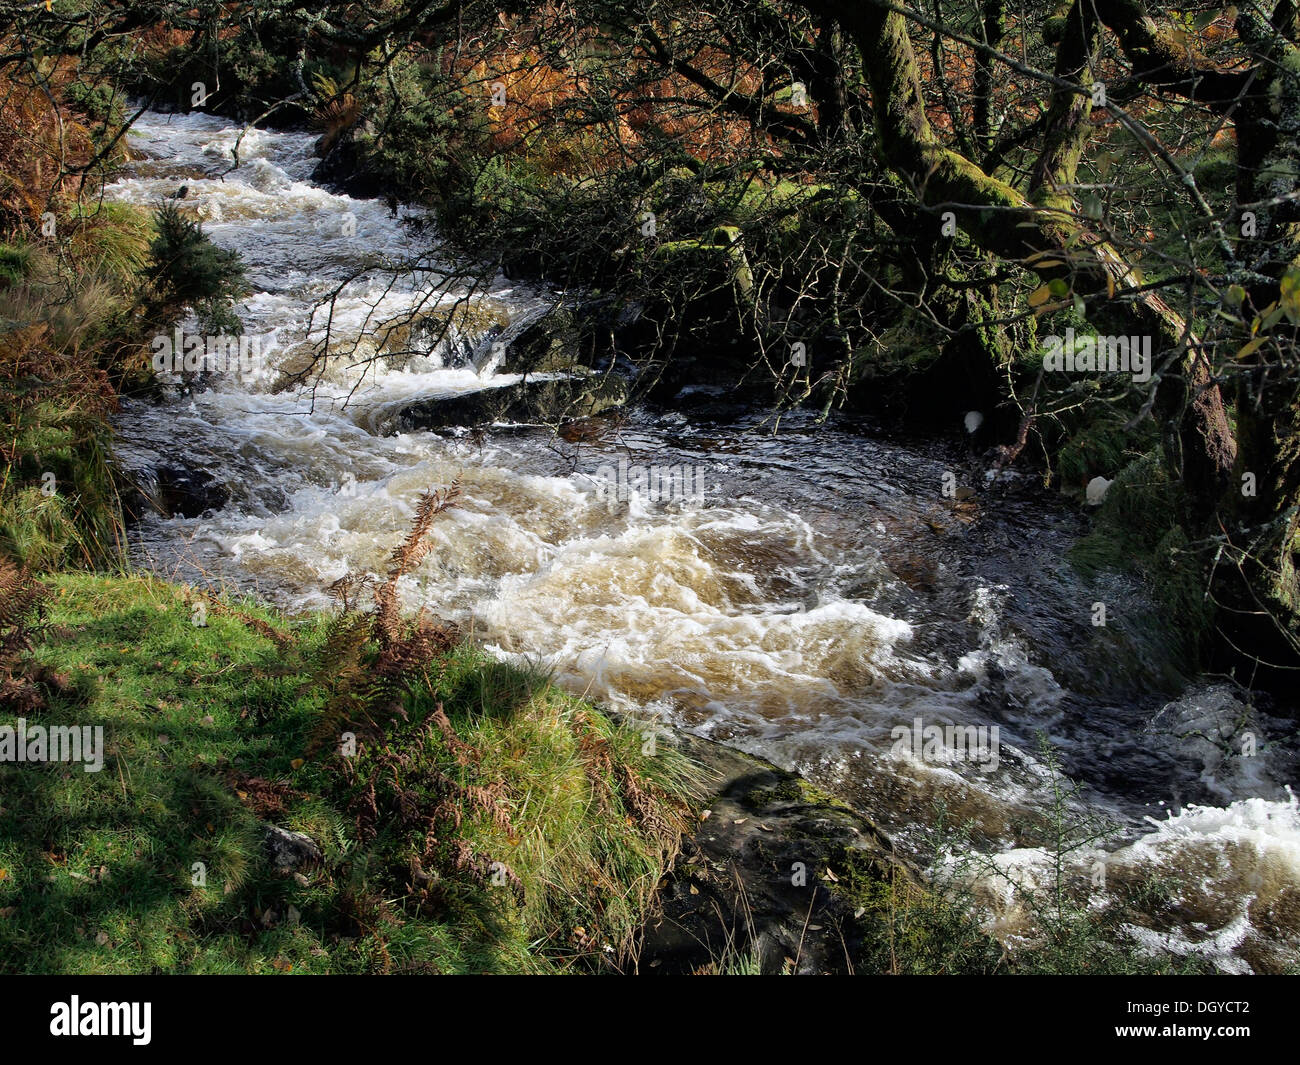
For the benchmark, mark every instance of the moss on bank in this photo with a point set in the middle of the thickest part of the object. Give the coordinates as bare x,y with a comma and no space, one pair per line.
538,829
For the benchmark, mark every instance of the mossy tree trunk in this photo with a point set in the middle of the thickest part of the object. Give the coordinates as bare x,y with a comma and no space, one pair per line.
1042,232
999,219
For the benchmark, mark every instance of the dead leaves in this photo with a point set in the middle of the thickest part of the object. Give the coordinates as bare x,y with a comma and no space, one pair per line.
266,798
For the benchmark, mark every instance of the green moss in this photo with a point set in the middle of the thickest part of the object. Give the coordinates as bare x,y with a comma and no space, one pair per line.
1216,170
793,789
787,791
719,263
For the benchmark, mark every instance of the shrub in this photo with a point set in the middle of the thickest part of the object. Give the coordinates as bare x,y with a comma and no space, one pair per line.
186,269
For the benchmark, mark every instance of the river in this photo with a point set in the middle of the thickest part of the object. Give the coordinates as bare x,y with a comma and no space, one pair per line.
817,596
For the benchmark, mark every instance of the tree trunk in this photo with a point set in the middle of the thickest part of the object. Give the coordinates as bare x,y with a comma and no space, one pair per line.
1050,242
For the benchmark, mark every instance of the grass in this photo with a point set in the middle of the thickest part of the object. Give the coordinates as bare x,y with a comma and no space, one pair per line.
75,313
542,828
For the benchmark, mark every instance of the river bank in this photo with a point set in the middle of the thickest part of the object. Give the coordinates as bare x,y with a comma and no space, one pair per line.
198,833
205,826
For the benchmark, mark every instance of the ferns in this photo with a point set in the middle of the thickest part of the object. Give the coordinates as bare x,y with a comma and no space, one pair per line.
404,559
20,598
505,806
366,660
335,111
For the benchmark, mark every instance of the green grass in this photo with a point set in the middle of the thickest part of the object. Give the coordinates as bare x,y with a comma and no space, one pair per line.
58,501
207,733
68,325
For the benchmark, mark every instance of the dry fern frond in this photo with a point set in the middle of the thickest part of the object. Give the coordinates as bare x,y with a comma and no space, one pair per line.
367,662
348,588
410,553
21,597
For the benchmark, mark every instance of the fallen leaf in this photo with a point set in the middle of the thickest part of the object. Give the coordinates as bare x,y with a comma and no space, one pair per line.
296,763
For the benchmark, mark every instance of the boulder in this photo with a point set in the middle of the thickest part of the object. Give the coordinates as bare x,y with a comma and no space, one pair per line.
175,490
291,850
735,880
533,400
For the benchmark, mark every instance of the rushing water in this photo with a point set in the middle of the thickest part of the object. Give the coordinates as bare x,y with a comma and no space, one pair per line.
820,592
